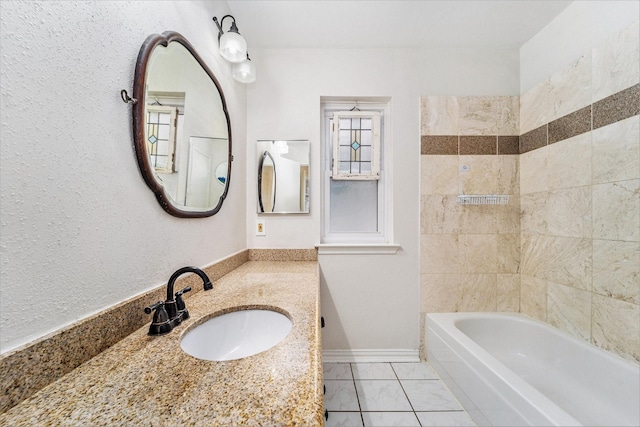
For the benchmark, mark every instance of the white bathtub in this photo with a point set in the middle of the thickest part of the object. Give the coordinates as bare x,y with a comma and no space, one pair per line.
508,369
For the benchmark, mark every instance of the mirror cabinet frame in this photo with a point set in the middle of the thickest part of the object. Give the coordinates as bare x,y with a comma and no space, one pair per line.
139,123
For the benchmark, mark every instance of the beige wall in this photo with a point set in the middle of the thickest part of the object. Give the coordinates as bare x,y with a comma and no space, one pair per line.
470,254
580,200
574,214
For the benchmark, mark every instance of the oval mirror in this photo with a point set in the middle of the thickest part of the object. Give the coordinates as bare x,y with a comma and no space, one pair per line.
181,127
266,183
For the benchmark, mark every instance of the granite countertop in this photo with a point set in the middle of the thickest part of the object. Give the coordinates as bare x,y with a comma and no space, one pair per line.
145,380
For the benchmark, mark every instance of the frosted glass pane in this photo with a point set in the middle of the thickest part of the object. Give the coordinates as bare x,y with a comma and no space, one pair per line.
161,162
354,206
366,123
163,147
153,117
163,132
345,153
345,137
365,167
345,167
365,137
165,118
365,154
345,124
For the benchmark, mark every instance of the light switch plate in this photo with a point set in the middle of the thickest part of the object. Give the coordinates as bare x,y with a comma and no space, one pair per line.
261,229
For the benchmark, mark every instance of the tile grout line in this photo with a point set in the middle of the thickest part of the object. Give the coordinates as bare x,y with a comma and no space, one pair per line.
405,394
353,378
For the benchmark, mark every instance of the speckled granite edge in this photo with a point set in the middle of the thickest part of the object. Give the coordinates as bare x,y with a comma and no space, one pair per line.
283,254
27,369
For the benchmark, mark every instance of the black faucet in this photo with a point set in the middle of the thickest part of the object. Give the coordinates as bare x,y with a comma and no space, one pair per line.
172,312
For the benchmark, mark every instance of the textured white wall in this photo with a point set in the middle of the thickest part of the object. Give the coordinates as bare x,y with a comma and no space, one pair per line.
582,25
369,301
80,230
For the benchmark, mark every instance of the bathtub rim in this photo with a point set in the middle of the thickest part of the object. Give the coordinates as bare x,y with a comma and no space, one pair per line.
523,398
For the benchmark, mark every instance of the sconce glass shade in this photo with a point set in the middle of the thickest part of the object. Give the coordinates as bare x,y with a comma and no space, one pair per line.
244,72
233,47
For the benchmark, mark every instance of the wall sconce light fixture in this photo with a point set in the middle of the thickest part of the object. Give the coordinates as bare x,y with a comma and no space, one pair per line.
245,71
233,47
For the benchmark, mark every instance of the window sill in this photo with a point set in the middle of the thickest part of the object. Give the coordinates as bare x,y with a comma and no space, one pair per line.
357,249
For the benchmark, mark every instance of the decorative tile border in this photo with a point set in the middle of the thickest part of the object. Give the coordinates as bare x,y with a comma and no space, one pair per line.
468,145
616,107
29,368
612,109
570,125
534,139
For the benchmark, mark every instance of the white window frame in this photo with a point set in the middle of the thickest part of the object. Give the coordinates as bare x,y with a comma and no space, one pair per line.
375,145
361,241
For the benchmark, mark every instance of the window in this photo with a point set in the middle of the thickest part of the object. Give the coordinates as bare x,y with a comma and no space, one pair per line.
356,144
355,197
161,133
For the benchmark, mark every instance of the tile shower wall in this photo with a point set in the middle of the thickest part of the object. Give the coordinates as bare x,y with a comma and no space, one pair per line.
566,249
580,197
470,255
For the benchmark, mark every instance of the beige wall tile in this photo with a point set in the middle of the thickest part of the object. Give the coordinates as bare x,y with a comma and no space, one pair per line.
616,151
440,214
616,211
571,87
508,292
440,253
616,326
439,293
478,219
569,162
616,269
534,172
569,309
438,174
508,216
536,107
508,174
533,208
569,212
508,253
533,297
616,63
479,253
533,256
568,261
439,115
478,292
489,115
482,176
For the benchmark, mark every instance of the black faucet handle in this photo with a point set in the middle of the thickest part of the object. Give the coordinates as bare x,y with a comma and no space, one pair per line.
161,323
152,307
183,313
183,291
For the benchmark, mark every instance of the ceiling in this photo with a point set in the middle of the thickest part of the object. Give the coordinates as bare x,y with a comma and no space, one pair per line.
391,24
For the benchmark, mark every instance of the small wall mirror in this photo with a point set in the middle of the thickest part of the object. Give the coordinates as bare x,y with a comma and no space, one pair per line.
283,176
182,132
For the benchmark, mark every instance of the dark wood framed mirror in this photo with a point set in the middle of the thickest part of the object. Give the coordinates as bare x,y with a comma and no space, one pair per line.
181,127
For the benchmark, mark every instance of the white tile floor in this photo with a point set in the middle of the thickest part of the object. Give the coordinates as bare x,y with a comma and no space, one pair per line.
389,394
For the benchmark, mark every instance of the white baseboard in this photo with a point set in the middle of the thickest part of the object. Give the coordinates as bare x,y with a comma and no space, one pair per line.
370,356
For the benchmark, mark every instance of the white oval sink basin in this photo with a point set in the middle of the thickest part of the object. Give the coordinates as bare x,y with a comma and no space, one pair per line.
236,334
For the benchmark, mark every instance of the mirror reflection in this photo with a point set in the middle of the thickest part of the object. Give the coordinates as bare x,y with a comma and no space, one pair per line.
184,146
283,176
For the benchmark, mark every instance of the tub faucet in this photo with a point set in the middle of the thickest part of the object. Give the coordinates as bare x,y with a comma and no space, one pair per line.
173,311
